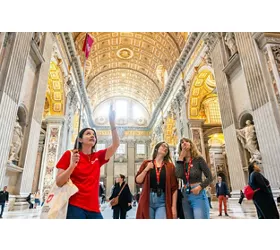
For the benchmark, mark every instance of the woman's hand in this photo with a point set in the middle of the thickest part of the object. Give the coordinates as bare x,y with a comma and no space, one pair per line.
112,116
183,154
196,190
75,158
174,212
149,167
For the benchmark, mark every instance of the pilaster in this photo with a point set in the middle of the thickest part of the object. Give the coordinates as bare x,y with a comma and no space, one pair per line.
50,155
13,62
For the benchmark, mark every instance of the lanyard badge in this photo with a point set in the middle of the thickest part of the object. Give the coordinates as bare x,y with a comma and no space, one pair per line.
189,165
158,170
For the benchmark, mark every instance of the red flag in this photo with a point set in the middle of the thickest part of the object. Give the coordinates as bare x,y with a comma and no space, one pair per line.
87,45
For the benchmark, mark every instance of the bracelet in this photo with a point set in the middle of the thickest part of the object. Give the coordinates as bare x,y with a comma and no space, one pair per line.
113,128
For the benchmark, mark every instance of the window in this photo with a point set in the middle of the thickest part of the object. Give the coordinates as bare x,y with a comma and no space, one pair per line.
100,146
121,149
121,109
140,149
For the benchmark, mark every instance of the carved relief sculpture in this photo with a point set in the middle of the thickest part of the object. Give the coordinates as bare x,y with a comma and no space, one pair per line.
230,43
276,54
16,143
248,139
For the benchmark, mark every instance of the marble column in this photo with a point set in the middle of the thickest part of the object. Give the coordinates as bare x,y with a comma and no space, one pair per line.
266,116
197,135
38,162
216,56
182,104
69,125
15,54
36,111
51,151
131,164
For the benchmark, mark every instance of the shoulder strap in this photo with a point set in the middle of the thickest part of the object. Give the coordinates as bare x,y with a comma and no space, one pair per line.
121,189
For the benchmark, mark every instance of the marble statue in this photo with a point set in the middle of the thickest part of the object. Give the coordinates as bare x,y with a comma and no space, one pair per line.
37,37
16,143
230,42
248,139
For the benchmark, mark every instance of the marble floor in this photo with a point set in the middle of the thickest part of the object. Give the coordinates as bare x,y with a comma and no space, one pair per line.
245,211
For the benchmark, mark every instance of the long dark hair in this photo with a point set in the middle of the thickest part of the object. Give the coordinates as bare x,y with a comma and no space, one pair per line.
80,135
251,169
166,158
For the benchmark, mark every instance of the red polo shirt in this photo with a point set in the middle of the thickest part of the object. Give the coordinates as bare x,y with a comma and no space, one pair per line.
86,177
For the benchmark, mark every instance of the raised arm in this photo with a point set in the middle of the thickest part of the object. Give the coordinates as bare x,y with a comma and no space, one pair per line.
115,137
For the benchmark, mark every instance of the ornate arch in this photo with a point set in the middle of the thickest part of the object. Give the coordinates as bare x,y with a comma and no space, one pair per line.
203,99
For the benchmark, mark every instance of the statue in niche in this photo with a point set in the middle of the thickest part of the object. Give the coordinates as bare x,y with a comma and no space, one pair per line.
248,139
16,143
230,43
197,139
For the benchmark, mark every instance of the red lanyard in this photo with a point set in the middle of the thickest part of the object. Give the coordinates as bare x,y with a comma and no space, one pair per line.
158,170
187,173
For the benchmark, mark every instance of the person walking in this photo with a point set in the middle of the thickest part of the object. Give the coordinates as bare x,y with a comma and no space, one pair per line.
222,194
263,198
4,199
208,193
122,190
37,199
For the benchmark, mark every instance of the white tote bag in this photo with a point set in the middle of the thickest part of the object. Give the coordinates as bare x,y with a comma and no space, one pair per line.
56,204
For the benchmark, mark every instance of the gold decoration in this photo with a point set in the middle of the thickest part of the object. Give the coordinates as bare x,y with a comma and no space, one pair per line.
54,103
203,103
169,132
126,133
125,53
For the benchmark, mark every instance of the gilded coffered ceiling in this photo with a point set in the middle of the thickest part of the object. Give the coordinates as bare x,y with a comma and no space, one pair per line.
127,64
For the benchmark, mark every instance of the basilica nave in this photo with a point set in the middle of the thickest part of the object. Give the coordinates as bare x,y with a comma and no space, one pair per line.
220,89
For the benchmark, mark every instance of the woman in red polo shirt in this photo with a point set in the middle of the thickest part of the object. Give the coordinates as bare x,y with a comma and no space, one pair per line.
83,168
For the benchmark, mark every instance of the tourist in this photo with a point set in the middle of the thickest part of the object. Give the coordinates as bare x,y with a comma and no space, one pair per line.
122,190
158,198
208,193
222,194
242,196
4,198
28,199
83,168
37,199
263,198
190,166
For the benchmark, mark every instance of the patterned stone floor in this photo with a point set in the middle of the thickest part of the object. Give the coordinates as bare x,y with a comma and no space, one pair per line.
245,211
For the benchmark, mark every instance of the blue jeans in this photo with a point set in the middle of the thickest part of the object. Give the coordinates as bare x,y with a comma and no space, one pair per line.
157,206
196,206
74,212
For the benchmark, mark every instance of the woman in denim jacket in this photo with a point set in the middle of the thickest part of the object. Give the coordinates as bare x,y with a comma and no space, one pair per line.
189,167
